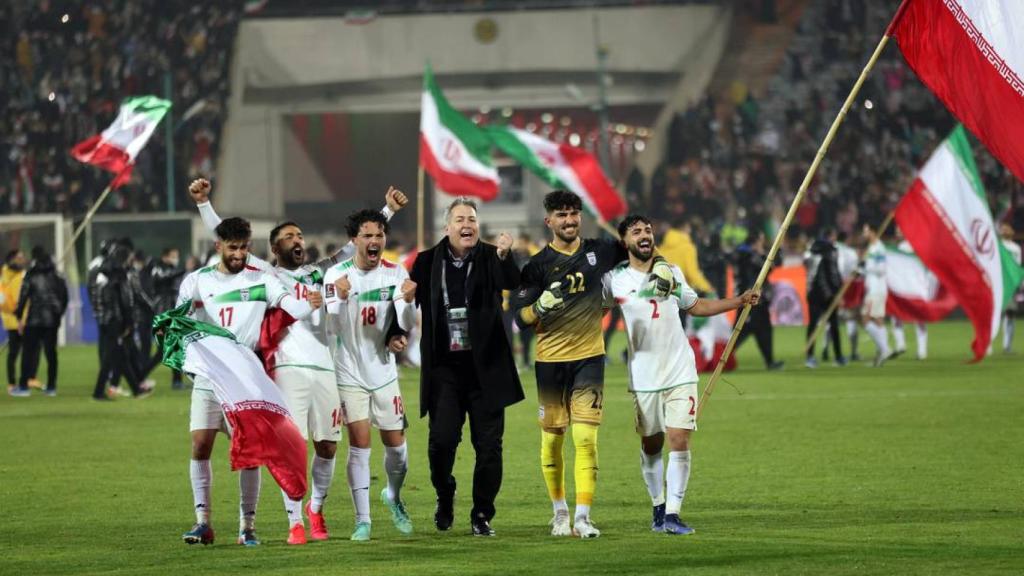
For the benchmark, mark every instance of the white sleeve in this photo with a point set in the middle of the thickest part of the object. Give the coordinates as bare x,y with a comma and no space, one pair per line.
210,218
406,311
349,249
684,295
187,289
607,297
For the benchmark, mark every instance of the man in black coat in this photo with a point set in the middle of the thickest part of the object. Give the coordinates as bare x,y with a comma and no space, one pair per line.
750,258
467,363
45,294
823,283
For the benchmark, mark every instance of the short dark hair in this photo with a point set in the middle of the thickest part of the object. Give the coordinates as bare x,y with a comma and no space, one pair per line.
277,229
234,228
167,251
358,218
10,256
561,199
629,221
40,254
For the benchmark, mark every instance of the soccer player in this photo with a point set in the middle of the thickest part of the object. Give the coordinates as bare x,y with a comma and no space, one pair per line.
364,296
561,298
303,367
662,370
234,296
876,291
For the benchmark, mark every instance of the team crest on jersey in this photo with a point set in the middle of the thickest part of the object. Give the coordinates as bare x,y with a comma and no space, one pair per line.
243,293
592,258
330,290
385,295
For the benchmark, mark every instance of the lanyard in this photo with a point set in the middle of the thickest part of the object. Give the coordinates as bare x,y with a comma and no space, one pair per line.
444,283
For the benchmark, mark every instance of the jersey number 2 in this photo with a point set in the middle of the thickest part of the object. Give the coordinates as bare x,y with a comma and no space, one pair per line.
226,316
369,315
655,314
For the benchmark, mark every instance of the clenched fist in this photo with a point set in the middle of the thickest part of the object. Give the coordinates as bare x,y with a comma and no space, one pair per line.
343,286
408,290
315,299
395,199
199,190
504,244
750,298
397,344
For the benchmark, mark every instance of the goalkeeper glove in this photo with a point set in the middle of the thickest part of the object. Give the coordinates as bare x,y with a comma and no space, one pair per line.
661,281
550,299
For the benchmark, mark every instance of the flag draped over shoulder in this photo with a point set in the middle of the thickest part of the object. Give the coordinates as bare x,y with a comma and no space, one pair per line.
946,219
262,431
970,53
116,148
453,150
562,166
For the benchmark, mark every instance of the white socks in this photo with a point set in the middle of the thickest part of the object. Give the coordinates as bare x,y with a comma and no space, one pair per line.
879,337
201,474
922,340
677,477
323,474
293,508
582,511
899,337
395,465
1007,333
851,333
653,470
359,481
560,506
249,487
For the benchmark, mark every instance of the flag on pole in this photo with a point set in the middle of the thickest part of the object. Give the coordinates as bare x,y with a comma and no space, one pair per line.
116,148
915,294
945,217
970,53
262,430
562,166
453,150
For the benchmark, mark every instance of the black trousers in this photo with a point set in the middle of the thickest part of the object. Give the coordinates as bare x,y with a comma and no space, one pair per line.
759,323
525,342
817,309
13,349
36,339
457,393
116,360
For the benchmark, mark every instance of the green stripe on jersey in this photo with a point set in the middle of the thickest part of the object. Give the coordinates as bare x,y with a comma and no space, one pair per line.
256,293
377,295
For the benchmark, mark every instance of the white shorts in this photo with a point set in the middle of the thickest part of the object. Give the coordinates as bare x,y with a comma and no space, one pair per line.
382,406
312,399
874,304
206,413
672,408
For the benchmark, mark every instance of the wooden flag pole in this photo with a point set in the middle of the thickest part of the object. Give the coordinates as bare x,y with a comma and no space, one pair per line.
823,321
741,320
85,222
419,208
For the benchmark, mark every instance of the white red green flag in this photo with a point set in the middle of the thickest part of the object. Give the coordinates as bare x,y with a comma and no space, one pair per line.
116,148
453,150
562,166
262,430
970,53
945,216
915,293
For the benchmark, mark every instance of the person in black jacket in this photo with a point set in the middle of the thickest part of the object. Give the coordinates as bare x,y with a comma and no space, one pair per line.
112,305
823,283
165,276
45,294
467,363
750,257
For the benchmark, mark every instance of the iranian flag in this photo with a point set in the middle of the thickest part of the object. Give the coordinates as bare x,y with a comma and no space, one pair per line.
945,217
915,294
262,430
562,166
453,150
970,53
116,148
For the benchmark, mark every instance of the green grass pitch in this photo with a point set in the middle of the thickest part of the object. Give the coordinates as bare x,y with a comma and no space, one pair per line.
915,468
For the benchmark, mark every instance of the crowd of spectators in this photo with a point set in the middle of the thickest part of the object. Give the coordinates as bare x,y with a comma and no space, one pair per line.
65,67
736,163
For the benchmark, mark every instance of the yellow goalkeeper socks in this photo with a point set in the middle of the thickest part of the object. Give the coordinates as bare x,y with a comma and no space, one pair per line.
552,466
584,437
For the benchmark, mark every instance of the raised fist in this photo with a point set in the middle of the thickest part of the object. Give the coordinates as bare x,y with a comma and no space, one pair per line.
397,344
395,198
315,299
199,190
408,290
504,243
343,286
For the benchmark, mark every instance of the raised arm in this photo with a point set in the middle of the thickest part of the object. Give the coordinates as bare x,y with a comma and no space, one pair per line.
394,200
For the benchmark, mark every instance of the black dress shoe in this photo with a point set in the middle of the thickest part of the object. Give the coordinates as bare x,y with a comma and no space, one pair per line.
444,514
481,527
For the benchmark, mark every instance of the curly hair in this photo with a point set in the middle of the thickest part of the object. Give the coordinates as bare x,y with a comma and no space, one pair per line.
561,200
357,219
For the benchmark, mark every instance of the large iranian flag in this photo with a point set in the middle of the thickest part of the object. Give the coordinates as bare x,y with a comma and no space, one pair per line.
970,53
562,166
915,293
945,217
116,148
453,150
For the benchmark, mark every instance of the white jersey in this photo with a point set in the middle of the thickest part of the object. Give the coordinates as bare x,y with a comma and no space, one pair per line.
874,269
660,356
847,260
357,327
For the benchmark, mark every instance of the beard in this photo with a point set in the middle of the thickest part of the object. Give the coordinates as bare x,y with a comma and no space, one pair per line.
639,254
234,266
291,257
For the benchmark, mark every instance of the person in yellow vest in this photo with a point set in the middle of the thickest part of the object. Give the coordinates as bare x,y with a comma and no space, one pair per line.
11,276
678,248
